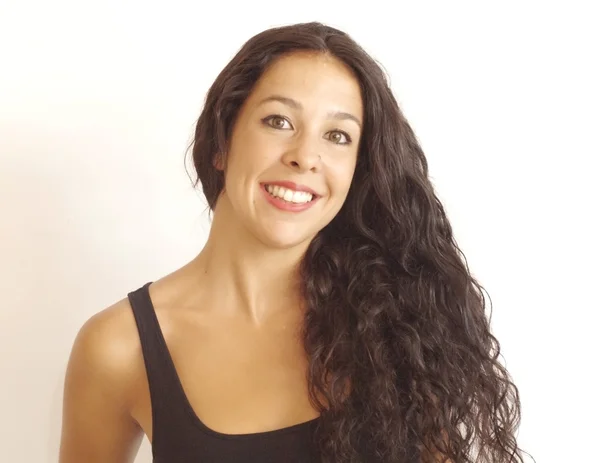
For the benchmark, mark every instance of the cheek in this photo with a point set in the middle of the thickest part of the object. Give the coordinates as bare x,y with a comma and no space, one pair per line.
257,151
341,176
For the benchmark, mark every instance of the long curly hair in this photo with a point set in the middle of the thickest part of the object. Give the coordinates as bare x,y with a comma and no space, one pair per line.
402,362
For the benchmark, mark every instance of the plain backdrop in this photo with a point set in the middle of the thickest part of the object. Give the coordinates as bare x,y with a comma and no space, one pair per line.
98,102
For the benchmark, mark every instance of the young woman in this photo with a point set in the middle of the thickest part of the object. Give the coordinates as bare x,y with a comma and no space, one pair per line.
329,317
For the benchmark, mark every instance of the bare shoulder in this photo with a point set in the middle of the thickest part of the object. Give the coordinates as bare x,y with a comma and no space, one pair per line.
100,384
109,342
107,348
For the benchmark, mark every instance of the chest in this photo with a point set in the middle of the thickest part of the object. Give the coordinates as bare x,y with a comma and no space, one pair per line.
236,380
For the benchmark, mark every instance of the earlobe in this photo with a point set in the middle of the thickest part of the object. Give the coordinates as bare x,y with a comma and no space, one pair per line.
218,162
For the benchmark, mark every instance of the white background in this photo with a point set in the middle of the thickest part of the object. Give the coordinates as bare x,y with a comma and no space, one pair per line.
97,106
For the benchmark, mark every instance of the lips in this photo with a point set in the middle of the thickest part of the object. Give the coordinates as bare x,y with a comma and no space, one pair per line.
279,194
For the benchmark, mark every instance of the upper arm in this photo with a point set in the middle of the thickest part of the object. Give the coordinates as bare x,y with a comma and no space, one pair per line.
97,425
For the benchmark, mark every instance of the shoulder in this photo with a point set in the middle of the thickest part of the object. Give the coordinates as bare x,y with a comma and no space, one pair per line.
101,381
107,349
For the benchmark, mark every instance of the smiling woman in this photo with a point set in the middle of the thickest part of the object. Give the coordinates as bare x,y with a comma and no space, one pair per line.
298,131
328,318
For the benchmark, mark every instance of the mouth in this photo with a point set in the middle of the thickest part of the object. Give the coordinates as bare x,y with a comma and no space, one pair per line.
290,196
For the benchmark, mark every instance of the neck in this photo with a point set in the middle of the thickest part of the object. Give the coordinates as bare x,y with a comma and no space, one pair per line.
244,276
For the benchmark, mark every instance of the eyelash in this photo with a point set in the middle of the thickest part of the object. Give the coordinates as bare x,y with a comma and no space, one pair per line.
268,119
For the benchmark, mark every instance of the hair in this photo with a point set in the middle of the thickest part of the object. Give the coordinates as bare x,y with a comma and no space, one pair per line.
392,308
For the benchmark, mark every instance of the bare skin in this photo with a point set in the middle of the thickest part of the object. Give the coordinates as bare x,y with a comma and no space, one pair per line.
242,377
230,317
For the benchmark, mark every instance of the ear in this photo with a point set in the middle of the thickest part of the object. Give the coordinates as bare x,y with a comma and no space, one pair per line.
219,161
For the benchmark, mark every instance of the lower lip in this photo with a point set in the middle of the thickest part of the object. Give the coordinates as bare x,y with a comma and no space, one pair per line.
285,205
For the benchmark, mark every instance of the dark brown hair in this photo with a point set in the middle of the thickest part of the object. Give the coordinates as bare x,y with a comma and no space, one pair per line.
392,308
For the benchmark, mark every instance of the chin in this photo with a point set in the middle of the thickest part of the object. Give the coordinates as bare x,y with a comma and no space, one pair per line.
279,239
283,243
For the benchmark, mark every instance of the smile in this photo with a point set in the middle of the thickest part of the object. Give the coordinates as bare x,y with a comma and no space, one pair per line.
288,195
287,199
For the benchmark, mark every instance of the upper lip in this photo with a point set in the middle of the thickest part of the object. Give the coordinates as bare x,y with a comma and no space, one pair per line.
293,186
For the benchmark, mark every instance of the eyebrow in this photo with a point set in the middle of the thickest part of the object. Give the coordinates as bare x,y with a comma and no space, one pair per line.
339,115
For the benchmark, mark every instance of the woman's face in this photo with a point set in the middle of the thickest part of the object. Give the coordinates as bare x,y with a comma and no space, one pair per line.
294,149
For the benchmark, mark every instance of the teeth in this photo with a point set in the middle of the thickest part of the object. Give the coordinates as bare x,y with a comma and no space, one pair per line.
298,197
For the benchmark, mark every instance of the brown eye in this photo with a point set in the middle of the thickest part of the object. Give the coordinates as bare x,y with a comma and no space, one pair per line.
339,138
277,122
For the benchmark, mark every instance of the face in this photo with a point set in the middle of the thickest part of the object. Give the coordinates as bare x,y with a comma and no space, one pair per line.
294,149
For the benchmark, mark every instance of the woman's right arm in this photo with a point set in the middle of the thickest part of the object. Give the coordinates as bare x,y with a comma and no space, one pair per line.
97,426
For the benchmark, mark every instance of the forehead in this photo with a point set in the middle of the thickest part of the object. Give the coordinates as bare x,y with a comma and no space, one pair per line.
316,80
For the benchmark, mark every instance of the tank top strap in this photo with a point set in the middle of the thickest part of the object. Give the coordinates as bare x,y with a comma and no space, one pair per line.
168,406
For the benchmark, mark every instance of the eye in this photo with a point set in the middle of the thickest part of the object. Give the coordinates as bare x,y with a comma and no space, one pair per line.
277,122
339,137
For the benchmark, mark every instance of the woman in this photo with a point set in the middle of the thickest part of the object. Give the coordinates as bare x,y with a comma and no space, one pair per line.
329,316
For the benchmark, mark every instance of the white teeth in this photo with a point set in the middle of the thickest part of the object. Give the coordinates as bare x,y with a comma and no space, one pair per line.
298,197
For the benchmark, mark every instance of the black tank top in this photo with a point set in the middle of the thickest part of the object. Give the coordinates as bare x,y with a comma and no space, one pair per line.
178,434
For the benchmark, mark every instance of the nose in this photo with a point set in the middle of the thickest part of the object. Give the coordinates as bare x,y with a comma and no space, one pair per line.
303,156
